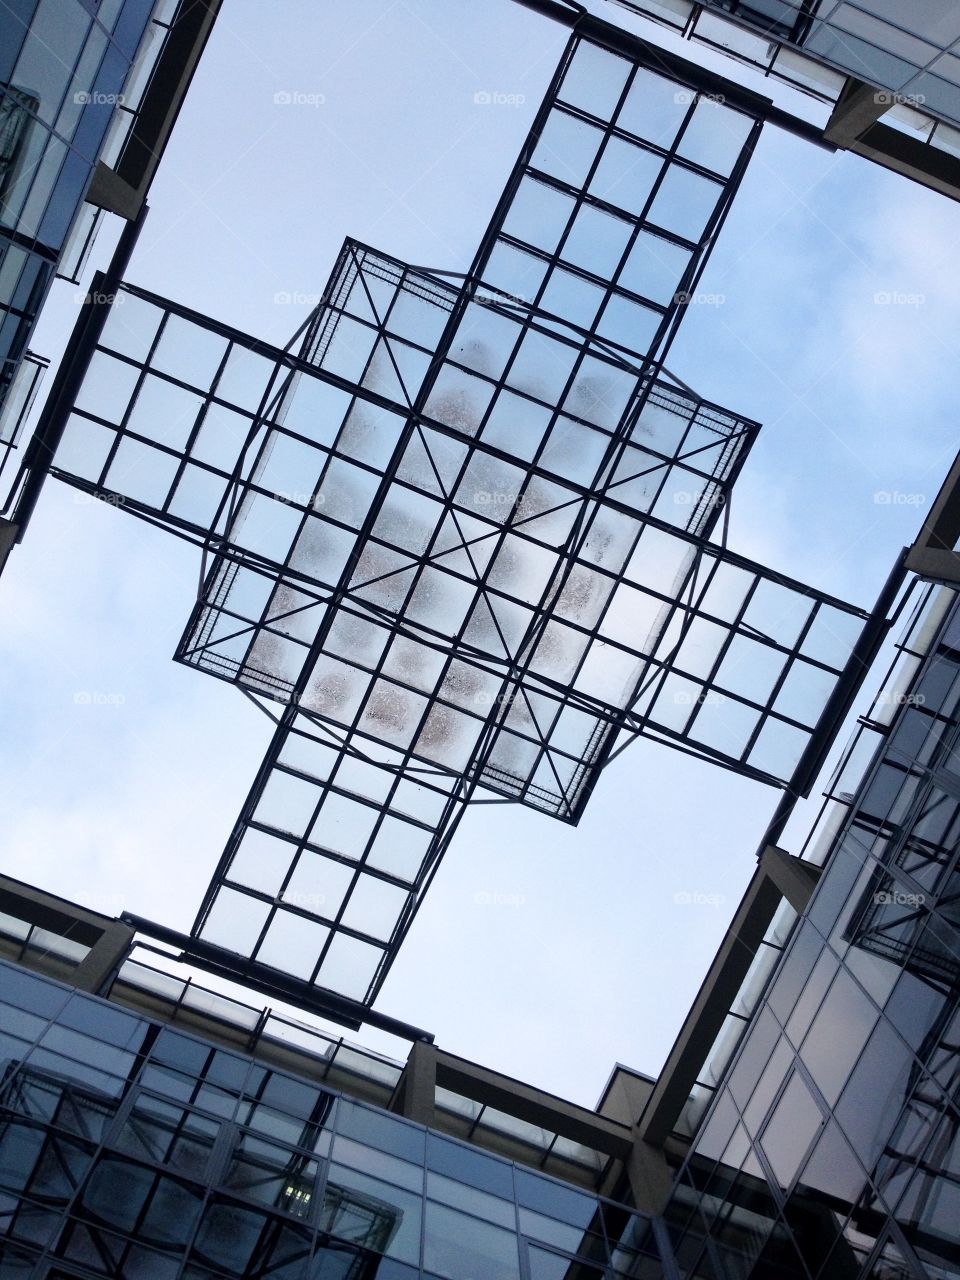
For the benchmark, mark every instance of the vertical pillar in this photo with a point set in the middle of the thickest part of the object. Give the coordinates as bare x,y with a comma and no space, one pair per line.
104,958
418,1086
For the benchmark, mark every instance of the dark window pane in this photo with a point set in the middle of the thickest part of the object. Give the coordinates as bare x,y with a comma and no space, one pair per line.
555,1199
470,1166
382,1131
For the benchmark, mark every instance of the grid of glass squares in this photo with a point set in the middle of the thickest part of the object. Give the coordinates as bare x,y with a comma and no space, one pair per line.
171,415
618,194
462,531
329,858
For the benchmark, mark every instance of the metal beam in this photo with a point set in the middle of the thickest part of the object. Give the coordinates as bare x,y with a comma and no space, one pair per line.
273,983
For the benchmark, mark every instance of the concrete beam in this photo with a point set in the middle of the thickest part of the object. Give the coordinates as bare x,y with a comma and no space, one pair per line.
124,190
717,993
108,939
98,968
650,1177
859,106
934,565
941,529
795,878
107,190
856,125
779,876
911,158
503,1093
625,1095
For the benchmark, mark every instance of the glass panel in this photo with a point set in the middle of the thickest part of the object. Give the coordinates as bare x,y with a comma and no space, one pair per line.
596,242
684,203
471,1200
189,352
273,1175
555,1199
108,387
84,448
654,267
142,473
625,175
837,1036
654,109
165,413
594,81
538,215
455,1244
371,1213
714,136
468,1165
131,327
791,1129
567,148
378,1163
158,1131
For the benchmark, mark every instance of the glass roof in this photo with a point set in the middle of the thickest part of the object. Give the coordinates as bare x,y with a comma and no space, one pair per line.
460,532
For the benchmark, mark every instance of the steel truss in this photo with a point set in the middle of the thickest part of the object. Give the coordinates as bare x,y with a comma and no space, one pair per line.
461,527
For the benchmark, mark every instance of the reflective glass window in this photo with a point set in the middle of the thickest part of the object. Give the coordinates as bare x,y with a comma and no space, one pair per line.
456,1245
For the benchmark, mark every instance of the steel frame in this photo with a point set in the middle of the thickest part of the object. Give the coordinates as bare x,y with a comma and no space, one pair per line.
459,527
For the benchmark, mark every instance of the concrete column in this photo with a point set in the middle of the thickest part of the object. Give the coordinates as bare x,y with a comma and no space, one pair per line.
859,106
932,555
95,971
795,878
418,1086
8,536
650,1177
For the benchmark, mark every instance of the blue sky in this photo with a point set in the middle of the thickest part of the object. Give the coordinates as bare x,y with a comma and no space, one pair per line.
543,951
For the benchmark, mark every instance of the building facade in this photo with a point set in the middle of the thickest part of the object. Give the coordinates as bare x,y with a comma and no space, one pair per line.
831,1146
133,1149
